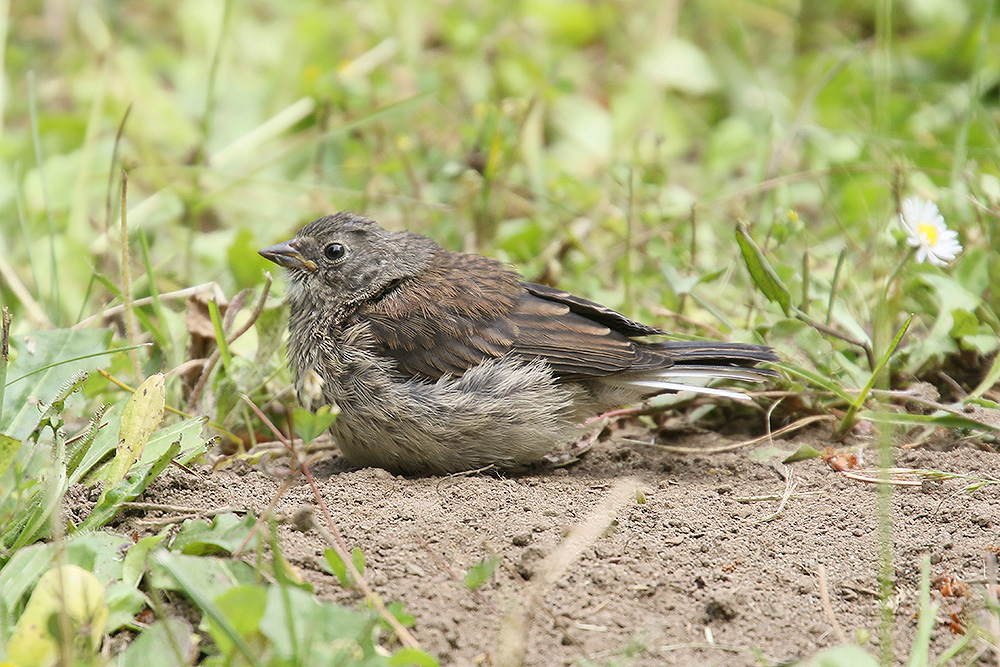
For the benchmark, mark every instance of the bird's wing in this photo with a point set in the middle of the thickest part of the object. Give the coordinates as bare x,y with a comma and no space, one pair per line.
576,346
466,309
593,311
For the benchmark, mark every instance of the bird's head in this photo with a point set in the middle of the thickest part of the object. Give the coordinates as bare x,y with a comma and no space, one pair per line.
347,258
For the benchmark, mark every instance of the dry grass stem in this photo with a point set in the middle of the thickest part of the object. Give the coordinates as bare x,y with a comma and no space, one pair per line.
145,301
126,268
790,487
512,641
32,310
795,426
824,596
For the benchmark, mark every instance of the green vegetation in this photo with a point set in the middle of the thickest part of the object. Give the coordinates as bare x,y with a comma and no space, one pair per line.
728,170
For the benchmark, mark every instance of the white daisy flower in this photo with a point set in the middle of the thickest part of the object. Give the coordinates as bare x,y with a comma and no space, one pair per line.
926,231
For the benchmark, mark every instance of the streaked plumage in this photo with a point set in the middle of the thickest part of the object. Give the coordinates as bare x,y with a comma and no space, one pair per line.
442,361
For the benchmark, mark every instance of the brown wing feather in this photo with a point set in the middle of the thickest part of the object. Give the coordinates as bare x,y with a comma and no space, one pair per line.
575,346
449,318
594,311
465,309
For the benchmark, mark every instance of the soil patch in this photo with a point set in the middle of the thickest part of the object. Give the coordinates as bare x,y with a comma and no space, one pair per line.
704,570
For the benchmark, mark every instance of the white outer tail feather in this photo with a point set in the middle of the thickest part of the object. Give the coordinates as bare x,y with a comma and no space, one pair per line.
663,381
709,373
663,386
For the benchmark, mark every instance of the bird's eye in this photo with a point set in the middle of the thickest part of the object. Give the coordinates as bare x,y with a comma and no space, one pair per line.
334,251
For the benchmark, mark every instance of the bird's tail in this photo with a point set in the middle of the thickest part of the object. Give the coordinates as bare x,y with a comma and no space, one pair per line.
688,364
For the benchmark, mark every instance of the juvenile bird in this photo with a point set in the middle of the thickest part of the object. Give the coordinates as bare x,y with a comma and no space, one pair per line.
443,361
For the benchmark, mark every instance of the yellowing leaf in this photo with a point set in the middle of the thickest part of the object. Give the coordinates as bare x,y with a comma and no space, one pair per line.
142,415
67,590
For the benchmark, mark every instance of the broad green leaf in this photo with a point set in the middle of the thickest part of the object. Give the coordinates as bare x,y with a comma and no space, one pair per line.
166,643
190,582
245,264
97,552
358,560
212,576
963,323
289,614
134,563
21,572
950,296
339,568
411,657
143,413
243,607
224,535
124,603
761,271
310,425
396,609
313,632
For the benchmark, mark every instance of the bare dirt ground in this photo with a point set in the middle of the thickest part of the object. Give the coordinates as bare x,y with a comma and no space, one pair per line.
702,572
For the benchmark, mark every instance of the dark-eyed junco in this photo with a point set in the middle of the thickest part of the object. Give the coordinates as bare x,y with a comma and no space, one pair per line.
443,361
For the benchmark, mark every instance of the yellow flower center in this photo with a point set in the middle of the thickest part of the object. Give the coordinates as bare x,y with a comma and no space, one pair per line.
928,233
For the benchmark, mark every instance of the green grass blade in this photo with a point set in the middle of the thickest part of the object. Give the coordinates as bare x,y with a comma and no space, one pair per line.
820,381
147,263
848,421
920,655
990,381
40,163
220,335
4,356
940,419
835,284
761,271
79,358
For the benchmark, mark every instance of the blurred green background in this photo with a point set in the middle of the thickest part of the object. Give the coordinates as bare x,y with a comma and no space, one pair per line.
605,146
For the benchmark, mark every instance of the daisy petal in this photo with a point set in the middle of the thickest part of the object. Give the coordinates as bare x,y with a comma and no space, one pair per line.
927,232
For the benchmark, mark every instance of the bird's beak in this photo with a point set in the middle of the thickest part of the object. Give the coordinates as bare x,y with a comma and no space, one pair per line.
287,255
